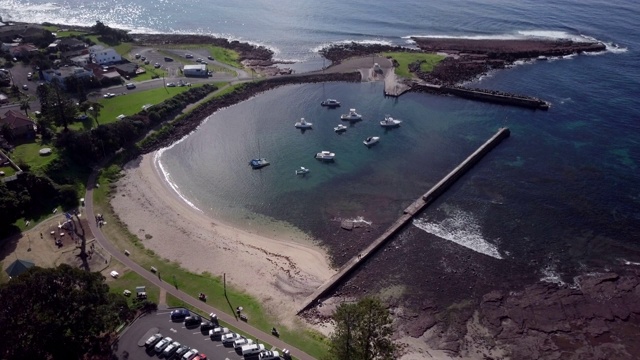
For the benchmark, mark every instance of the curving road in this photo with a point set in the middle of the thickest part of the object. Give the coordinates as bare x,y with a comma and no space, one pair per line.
120,256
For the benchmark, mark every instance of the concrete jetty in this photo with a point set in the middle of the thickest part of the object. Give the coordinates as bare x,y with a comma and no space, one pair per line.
408,214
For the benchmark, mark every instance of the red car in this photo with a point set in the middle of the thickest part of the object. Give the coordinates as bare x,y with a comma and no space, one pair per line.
200,357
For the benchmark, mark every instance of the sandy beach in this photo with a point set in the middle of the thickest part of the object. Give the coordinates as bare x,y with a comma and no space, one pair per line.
279,271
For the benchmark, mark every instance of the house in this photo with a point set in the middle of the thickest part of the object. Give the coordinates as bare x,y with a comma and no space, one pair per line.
19,124
18,49
127,69
24,33
81,60
101,56
198,70
63,73
70,44
101,73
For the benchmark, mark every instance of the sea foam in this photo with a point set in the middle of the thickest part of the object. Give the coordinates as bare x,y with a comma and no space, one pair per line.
461,228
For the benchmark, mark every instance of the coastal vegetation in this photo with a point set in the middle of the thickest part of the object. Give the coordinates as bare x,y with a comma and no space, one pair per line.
59,313
362,332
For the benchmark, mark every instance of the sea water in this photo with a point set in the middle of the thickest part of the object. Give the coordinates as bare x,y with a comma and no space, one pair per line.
559,197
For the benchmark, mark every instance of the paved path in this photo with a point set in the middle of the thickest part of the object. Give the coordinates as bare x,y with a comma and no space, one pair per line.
120,256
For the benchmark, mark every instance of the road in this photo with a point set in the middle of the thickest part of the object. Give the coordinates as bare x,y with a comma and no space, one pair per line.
120,256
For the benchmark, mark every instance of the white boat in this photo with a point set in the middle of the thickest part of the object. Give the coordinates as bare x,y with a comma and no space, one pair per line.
258,163
340,128
303,124
390,122
330,103
325,155
302,171
371,140
351,116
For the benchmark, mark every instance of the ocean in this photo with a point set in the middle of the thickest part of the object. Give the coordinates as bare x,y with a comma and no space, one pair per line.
560,197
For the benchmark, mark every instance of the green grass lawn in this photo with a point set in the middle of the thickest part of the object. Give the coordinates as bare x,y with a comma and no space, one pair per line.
128,281
8,170
150,72
406,58
310,341
29,154
132,102
225,56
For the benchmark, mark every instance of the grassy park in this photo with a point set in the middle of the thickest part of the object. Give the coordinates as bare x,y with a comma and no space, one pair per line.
429,61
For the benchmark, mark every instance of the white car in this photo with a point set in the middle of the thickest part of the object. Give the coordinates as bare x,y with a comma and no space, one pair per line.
169,350
190,354
156,65
242,342
109,95
218,332
171,84
131,86
269,355
162,344
229,338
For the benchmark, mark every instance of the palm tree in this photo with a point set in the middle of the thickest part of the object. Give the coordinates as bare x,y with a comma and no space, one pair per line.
95,111
25,105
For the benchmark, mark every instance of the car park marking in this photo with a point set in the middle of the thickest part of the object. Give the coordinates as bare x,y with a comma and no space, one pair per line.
174,330
198,332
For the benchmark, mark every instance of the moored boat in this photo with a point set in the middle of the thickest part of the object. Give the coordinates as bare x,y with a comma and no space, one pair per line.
325,155
330,103
390,122
340,128
371,140
351,116
303,124
302,171
258,163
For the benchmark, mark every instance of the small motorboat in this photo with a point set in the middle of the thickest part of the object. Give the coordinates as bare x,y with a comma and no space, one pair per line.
303,124
542,58
302,171
325,155
351,116
258,163
371,140
340,128
330,103
390,122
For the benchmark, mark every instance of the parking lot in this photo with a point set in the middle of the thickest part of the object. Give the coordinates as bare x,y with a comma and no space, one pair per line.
132,340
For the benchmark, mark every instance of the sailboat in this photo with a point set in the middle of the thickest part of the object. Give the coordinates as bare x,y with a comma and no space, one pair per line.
259,162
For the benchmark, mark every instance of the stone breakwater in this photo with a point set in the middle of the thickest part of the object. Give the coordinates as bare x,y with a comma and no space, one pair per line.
191,121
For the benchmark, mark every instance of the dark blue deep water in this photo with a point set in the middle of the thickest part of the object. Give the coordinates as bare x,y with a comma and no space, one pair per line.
560,197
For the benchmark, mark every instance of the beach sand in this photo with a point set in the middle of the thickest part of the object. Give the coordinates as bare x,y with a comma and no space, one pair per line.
278,271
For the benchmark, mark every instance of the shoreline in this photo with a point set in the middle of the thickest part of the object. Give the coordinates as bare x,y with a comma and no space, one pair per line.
279,272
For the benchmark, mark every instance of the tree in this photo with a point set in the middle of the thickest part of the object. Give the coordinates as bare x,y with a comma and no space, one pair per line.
58,313
95,111
25,105
363,332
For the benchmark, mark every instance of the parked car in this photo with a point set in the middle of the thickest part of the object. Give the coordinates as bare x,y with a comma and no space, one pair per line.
153,340
131,86
169,350
206,325
251,349
188,56
163,344
179,314
181,351
156,65
137,56
190,354
82,117
210,57
143,58
198,60
192,320
108,95
171,84
218,332
25,87
269,355
228,339
238,343
146,62
200,357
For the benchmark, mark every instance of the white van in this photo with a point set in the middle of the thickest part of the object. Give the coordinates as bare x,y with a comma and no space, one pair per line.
251,349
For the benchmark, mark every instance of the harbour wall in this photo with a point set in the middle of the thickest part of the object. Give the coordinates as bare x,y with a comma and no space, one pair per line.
408,214
484,95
